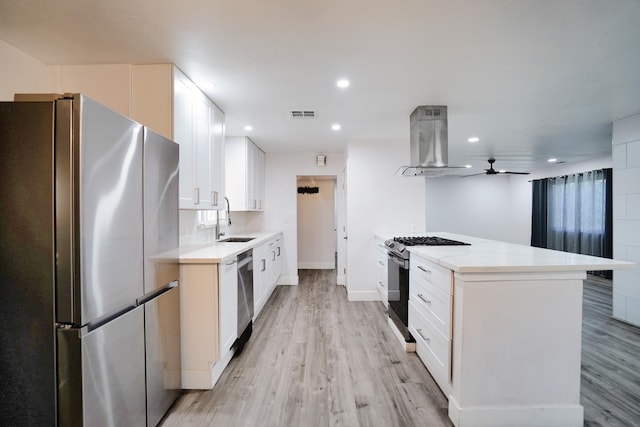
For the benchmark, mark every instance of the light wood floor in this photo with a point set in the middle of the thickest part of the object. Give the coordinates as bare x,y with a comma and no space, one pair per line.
610,386
316,359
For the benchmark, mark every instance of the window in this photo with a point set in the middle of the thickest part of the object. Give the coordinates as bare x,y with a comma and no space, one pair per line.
573,213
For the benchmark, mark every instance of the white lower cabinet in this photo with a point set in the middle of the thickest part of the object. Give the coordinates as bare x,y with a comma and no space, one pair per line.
228,305
260,278
208,321
382,277
267,267
430,317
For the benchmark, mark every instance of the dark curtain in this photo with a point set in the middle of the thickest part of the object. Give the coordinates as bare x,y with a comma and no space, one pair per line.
539,214
573,213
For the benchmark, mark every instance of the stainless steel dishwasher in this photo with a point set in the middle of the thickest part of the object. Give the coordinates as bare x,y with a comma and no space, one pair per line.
245,299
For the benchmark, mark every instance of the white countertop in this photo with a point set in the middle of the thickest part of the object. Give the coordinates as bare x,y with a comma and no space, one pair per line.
490,256
215,252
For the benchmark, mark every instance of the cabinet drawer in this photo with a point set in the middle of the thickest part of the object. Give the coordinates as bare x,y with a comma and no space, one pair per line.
432,347
433,303
426,271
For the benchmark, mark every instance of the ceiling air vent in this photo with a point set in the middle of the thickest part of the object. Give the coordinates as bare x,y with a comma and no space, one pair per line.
302,114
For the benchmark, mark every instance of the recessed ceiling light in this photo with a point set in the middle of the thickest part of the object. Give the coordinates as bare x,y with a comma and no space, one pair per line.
502,171
248,128
552,160
468,166
473,139
342,83
335,126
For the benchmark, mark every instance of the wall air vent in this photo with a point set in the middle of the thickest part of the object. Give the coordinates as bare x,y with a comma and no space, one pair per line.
303,114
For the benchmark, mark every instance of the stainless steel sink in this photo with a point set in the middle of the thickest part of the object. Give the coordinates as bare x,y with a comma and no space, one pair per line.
236,239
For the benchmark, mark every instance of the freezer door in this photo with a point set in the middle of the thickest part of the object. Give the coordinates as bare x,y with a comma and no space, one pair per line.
98,211
160,211
162,342
101,373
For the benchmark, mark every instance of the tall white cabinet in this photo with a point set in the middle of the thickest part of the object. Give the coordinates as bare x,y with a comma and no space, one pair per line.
198,127
244,174
166,100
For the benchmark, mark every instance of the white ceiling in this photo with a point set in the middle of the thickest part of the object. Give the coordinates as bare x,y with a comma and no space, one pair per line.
532,78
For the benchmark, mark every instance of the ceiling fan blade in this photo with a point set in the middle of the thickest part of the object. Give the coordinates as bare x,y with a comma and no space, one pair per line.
516,173
473,174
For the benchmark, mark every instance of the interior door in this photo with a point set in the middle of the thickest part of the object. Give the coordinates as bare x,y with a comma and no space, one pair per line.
344,233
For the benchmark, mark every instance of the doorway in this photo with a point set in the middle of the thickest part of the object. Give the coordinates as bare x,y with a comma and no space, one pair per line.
317,239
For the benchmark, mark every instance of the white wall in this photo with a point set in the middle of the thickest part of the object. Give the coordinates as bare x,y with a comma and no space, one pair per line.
316,223
280,212
378,200
109,84
626,217
20,73
476,206
492,207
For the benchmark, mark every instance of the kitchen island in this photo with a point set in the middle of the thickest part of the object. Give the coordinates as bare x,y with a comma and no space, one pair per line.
499,327
209,300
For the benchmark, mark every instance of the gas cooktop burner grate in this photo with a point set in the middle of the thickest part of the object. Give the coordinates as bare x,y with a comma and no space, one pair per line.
427,241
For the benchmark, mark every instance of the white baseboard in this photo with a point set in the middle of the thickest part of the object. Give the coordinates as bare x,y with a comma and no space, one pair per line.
206,379
340,279
329,265
409,347
526,416
363,295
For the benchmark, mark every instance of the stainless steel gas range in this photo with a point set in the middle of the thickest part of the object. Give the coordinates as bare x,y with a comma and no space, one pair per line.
398,276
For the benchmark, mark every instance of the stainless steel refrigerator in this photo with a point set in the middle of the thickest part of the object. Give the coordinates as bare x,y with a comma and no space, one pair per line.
73,297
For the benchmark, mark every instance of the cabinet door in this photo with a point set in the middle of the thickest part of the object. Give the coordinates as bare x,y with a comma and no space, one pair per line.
258,268
252,154
217,158
228,305
202,140
183,135
277,265
259,179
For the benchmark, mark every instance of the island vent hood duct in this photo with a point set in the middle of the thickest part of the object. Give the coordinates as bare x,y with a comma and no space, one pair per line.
428,140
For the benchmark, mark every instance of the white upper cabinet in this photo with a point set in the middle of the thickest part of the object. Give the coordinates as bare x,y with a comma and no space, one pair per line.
198,127
217,161
166,100
244,174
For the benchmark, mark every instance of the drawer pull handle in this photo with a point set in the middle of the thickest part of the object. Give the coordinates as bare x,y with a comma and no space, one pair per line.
419,331
424,269
423,299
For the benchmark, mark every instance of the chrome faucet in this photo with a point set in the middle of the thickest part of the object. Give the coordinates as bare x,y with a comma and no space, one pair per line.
228,213
218,232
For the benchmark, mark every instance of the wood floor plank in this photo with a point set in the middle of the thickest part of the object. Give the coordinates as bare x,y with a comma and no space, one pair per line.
316,359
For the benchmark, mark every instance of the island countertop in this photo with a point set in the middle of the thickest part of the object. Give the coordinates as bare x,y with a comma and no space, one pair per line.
491,256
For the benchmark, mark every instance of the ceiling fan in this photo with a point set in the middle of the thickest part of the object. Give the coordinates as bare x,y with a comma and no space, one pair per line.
492,171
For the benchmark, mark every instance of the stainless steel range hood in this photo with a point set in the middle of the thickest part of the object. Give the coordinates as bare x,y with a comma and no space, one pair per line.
428,140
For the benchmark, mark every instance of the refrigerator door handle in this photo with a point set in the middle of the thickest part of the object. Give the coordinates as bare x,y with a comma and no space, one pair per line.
157,293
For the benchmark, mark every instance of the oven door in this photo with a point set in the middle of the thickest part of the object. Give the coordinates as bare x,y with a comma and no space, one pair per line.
398,294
